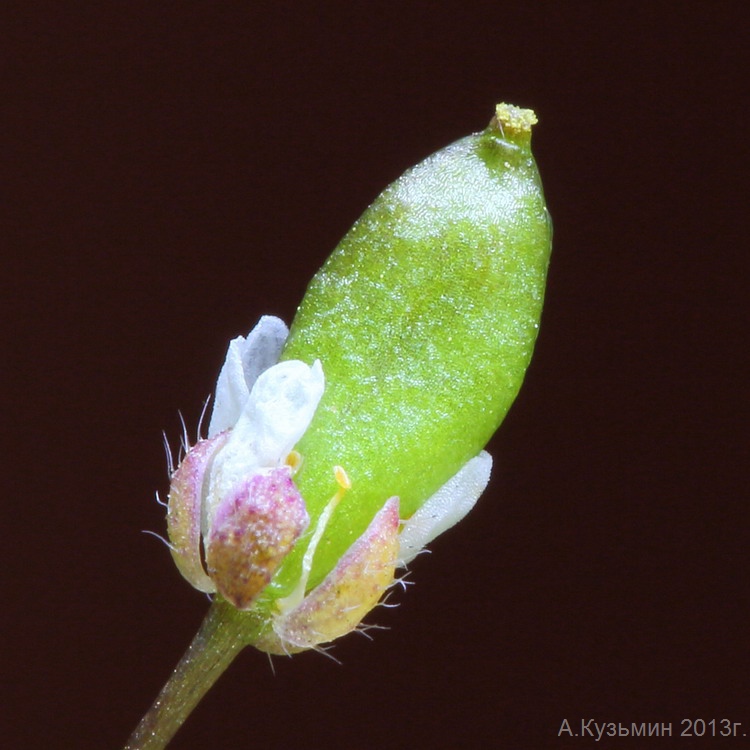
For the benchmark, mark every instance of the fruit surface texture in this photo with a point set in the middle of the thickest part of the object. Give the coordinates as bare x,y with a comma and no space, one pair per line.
424,319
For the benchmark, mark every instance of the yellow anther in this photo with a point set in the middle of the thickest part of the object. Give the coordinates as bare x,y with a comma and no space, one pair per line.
293,461
342,477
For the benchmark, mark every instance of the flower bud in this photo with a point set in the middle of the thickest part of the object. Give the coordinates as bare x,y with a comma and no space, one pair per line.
232,499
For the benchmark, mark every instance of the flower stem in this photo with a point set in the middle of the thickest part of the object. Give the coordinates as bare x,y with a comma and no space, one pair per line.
222,635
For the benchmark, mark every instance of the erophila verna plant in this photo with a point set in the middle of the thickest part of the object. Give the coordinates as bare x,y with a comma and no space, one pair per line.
338,449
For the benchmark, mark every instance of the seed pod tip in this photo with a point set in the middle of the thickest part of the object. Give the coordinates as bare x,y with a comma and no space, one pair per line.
514,123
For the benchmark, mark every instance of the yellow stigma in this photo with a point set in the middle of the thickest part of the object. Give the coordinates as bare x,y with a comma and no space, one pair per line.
514,123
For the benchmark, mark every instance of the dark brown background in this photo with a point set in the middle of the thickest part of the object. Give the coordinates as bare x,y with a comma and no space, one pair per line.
178,169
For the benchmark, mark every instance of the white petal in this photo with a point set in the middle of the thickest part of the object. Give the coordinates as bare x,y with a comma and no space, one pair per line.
446,507
246,359
281,406
277,412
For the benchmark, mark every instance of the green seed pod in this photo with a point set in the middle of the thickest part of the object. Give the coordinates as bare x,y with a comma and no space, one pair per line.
425,318
336,451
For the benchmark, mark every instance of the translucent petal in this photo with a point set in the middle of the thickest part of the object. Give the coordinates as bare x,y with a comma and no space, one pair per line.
446,507
246,359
